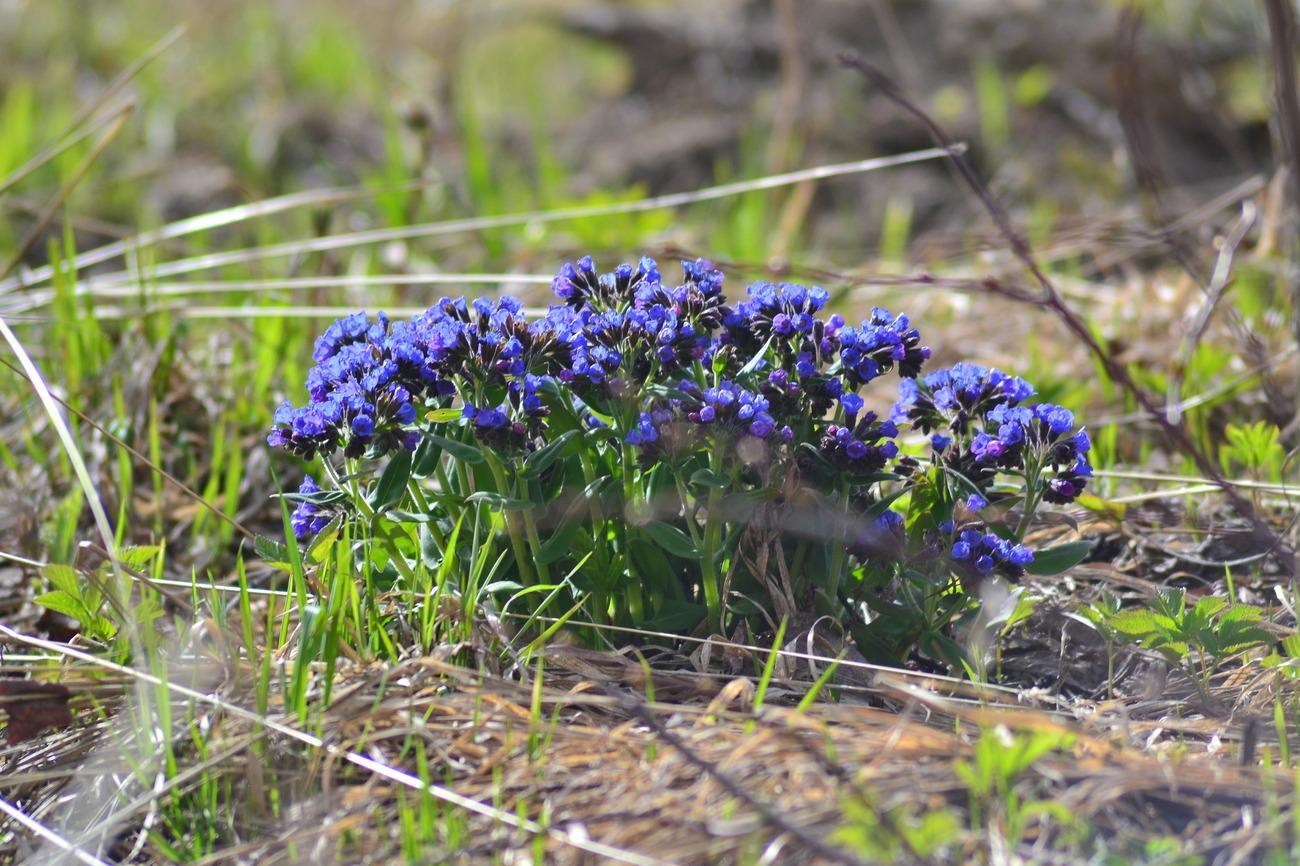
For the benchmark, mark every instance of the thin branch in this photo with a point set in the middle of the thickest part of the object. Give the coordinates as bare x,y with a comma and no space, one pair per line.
1175,432
1282,41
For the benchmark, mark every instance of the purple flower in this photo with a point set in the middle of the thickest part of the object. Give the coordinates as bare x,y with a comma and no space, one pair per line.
308,518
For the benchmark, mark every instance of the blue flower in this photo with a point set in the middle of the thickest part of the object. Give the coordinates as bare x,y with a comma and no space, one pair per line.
645,431
976,552
881,343
863,445
308,518
852,404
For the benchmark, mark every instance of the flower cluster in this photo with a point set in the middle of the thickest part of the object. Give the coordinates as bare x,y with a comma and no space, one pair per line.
983,426
369,377
784,312
881,342
976,552
668,389
862,445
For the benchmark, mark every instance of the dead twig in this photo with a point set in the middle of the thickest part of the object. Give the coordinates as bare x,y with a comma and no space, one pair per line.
1051,299
1282,41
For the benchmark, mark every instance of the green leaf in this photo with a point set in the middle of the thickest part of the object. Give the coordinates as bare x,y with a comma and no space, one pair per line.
462,451
1055,560
430,553
497,502
427,455
138,557
1136,623
442,416
649,561
392,484
559,544
709,478
672,539
541,459
676,616
63,577
66,604
1208,606
271,552
503,586
560,540
320,546
1102,507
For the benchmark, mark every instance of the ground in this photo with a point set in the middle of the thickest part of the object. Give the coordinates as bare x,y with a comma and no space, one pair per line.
198,208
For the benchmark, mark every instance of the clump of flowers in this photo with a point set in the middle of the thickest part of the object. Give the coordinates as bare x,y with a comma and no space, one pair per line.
692,433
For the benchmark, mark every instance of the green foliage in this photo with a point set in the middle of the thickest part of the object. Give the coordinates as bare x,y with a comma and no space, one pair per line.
1207,633
901,835
994,775
1255,448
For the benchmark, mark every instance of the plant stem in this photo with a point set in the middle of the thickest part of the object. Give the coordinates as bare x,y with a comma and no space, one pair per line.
599,534
1031,500
623,532
709,565
840,550
422,503
530,528
517,546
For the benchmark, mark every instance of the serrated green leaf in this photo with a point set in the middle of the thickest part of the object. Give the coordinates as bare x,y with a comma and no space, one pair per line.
1135,623
1207,607
138,557
63,577
66,604
1242,613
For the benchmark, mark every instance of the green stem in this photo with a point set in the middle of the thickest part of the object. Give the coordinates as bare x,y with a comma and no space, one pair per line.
513,528
839,550
1031,501
422,503
632,591
530,528
709,565
599,534
686,509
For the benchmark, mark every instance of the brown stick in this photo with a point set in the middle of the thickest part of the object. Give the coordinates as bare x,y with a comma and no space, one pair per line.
1175,431
1282,41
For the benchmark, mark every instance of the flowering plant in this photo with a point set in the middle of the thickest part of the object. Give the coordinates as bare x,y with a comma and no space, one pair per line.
681,460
